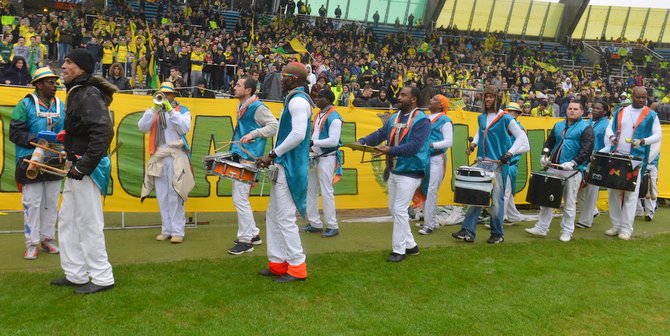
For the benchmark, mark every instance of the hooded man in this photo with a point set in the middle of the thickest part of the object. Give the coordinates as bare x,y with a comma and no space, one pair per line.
89,132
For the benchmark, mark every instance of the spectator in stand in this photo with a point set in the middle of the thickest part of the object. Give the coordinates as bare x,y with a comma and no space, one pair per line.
95,49
380,101
364,99
116,76
17,74
320,84
200,91
21,49
346,98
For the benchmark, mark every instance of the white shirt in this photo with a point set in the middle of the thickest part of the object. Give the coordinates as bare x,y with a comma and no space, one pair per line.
334,131
447,133
300,111
630,115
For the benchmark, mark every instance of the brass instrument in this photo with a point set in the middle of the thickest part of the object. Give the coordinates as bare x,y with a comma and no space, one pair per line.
159,98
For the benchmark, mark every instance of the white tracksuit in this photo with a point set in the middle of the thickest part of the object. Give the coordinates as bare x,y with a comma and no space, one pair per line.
321,175
173,217
622,204
512,214
40,210
570,190
437,166
80,233
283,236
401,190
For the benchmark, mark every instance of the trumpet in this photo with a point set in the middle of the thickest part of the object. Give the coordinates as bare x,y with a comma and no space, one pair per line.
159,98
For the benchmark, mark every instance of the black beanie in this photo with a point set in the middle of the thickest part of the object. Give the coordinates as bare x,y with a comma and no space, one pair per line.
83,59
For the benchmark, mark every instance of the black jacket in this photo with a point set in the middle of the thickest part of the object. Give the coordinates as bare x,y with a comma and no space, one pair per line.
88,123
121,83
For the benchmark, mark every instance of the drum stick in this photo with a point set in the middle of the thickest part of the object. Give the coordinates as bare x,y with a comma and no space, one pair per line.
47,148
47,168
116,149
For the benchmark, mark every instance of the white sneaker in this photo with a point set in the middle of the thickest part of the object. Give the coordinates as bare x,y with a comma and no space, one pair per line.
536,232
162,237
565,237
50,246
624,236
612,232
31,253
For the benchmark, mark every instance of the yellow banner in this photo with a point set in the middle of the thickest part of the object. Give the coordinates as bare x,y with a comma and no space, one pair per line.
362,185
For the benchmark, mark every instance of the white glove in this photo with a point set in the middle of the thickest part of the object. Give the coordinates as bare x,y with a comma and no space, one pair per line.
568,165
636,143
545,161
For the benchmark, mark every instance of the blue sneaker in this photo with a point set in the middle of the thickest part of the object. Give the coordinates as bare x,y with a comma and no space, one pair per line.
330,233
310,228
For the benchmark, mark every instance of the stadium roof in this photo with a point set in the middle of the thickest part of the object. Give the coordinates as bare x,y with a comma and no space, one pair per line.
626,3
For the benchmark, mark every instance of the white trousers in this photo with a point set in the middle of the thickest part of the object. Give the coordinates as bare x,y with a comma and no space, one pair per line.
650,204
512,214
401,190
246,225
321,177
430,205
283,237
80,234
622,206
570,190
173,217
588,198
40,210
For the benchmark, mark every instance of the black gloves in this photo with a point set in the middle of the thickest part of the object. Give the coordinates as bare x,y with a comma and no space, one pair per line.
75,174
505,158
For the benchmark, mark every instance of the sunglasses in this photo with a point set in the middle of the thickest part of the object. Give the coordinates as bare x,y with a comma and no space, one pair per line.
283,74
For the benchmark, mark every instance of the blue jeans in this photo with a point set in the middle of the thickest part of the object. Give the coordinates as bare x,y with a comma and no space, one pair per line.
63,50
497,208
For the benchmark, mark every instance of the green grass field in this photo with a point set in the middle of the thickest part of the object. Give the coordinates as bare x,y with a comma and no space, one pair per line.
594,285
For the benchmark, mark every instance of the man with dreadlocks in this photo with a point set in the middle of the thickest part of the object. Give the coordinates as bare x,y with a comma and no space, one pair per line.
501,138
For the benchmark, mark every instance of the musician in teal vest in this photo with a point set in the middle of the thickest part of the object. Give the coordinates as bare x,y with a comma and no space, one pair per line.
440,139
570,143
289,188
497,140
633,129
512,215
325,162
407,160
587,197
255,123
37,112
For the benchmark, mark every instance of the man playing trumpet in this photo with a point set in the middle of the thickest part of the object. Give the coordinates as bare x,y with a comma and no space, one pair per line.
36,112
168,169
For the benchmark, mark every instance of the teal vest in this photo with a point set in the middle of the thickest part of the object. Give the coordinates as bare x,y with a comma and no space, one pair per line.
325,127
295,161
643,130
245,125
419,162
599,128
571,141
37,120
436,133
498,140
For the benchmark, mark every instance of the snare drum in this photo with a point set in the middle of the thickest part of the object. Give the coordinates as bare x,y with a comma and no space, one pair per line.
545,189
222,165
473,186
614,171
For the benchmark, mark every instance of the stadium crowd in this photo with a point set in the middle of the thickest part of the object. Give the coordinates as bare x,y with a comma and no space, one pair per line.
190,46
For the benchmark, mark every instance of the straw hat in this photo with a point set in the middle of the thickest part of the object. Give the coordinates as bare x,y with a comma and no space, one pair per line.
513,107
167,87
43,73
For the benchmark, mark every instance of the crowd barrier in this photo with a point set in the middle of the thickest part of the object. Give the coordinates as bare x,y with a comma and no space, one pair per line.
361,186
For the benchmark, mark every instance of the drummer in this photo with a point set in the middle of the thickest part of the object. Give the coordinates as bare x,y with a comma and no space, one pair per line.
588,196
325,143
255,123
631,132
495,133
570,143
